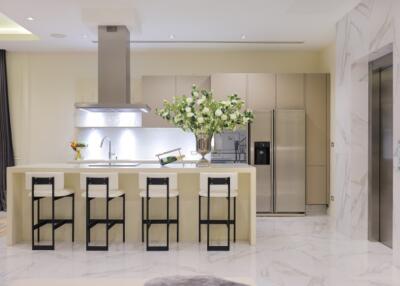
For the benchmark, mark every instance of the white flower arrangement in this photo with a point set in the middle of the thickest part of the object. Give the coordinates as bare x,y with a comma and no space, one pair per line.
200,113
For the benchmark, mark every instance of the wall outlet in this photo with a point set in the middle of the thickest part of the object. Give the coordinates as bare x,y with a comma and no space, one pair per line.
332,198
332,144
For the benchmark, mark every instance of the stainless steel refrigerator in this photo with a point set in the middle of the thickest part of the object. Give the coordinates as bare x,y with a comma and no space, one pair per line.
278,151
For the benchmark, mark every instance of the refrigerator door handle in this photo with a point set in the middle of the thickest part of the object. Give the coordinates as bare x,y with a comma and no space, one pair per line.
272,150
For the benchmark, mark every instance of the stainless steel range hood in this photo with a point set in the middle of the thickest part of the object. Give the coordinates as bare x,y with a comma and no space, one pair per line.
113,73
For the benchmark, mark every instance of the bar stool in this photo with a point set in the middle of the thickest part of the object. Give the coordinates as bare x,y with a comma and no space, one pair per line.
101,186
158,186
48,185
218,185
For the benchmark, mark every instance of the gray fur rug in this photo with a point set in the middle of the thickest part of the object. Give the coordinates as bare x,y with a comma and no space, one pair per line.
191,281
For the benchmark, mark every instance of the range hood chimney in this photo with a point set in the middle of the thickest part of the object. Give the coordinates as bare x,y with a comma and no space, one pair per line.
113,73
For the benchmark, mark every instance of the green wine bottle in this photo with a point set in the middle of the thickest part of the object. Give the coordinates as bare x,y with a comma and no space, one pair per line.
170,159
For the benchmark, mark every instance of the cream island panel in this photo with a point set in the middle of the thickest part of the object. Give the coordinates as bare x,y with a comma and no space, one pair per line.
19,204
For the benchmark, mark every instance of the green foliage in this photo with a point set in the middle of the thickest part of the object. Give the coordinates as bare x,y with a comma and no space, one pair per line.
200,113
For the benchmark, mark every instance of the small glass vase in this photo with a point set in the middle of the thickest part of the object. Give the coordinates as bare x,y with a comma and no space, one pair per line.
203,147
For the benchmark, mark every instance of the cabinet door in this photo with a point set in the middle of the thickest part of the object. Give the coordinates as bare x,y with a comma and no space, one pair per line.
290,91
184,84
316,111
261,91
316,136
228,84
154,90
316,185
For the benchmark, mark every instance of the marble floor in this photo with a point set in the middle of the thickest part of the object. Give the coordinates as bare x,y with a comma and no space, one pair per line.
290,251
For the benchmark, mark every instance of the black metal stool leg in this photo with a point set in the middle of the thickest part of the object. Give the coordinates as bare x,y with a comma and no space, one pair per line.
142,219
147,222
199,218
123,218
73,218
53,224
177,219
234,219
33,221
38,219
168,222
107,219
208,222
229,221
87,222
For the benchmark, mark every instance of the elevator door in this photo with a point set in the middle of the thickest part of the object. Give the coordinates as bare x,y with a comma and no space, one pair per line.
386,156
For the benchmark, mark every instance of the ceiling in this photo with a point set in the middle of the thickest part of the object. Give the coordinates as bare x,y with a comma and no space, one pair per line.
308,23
11,31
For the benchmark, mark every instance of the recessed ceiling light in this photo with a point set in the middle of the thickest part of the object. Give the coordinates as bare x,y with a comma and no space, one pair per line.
84,36
58,35
243,37
172,36
30,18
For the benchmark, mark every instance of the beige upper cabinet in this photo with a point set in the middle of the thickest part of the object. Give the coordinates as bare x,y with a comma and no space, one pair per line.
316,110
261,91
184,84
154,90
228,84
290,91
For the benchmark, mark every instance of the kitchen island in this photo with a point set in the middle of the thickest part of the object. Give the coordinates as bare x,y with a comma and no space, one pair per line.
19,203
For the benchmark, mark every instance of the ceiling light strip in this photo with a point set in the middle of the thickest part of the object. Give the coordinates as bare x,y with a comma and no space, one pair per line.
219,42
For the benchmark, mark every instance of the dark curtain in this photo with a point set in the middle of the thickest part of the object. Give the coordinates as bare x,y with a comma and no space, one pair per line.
6,148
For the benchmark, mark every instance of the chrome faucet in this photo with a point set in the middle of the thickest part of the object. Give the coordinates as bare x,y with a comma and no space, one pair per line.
110,153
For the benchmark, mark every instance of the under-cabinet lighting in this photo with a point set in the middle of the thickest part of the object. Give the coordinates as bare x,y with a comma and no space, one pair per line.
86,119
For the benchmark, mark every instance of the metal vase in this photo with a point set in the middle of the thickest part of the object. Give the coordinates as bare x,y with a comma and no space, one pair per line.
203,147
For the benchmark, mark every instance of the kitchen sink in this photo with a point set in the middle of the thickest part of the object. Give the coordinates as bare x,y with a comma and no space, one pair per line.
114,165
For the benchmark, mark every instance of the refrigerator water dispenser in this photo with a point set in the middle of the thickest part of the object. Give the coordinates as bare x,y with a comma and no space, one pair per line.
262,153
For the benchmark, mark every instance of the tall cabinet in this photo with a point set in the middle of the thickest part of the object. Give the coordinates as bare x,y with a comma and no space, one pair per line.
317,134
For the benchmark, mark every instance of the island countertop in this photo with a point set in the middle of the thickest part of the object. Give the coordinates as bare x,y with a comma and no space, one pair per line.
148,166
18,201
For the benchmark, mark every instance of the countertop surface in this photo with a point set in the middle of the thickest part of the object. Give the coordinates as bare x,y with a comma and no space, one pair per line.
130,168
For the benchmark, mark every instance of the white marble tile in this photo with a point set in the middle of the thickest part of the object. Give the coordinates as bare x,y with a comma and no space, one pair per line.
290,251
370,27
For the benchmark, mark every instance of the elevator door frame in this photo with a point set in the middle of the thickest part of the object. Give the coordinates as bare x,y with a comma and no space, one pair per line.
374,147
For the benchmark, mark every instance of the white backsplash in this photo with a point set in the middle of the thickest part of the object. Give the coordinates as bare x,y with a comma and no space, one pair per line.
136,143
84,118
